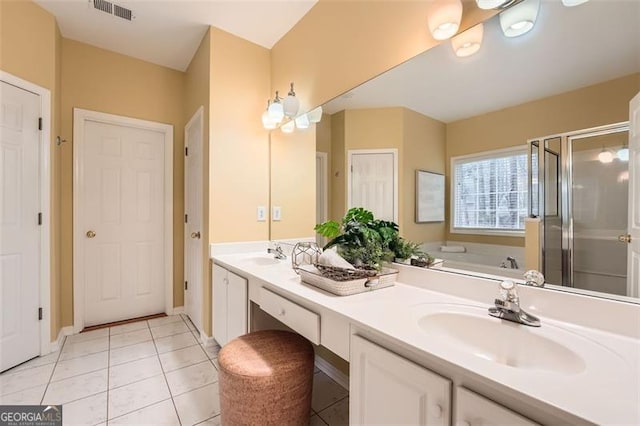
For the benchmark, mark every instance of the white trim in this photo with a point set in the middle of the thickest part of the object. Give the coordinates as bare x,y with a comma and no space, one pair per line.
392,151
45,197
177,310
327,368
324,159
57,344
207,341
79,118
469,158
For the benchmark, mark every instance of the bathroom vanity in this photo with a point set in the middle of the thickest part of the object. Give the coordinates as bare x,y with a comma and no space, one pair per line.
425,351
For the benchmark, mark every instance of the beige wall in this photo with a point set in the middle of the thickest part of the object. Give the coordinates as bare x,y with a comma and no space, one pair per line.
596,105
100,80
323,144
424,149
338,44
30,49
337,178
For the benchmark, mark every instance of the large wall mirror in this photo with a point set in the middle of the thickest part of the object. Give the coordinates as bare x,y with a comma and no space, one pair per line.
503,126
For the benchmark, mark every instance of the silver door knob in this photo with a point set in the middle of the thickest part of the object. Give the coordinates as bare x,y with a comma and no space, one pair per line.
91,234
195,235
624,238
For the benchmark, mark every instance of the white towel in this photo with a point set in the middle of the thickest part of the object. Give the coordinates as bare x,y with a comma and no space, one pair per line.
332,258
453,249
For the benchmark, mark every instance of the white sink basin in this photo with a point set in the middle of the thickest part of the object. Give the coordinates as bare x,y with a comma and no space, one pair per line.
262,261
471,329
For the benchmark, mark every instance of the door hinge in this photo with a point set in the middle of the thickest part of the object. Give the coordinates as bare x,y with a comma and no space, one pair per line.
39,123
39,314
186,151
186,218
186,285
39,218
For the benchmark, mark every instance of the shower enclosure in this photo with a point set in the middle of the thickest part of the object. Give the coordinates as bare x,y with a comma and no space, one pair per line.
579,187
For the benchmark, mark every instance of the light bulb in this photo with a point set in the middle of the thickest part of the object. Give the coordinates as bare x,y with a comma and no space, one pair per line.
276,112
315,115
623,154
605,157
571,3
288,127
519,19
302,122
445,20
468,42
267,123
490,4
291,104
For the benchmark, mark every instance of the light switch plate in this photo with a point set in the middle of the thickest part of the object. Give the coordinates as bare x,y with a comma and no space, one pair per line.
262,214
277,213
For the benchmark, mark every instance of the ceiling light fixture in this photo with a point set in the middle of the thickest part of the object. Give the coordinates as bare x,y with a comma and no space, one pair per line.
291,104
468,42
571,3
519,19
444,21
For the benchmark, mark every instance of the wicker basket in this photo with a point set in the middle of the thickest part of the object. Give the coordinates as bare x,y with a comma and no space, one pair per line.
344,282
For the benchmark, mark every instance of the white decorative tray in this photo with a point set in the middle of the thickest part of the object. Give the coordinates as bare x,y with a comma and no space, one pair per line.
345,287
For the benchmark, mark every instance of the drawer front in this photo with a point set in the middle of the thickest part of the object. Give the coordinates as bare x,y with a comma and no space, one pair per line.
475,410
300,319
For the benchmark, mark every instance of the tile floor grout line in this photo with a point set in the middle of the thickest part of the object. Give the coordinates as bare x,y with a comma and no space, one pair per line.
329,406
54,369
106,419
164,375
138,409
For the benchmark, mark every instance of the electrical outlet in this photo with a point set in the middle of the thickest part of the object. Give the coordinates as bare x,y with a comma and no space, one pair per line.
277,213
262,214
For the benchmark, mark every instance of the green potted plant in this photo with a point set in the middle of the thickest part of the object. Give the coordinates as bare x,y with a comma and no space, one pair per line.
404,249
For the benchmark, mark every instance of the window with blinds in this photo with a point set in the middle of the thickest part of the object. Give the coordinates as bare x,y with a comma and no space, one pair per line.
490,191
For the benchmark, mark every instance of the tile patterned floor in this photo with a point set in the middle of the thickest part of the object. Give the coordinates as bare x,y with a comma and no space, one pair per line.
149,372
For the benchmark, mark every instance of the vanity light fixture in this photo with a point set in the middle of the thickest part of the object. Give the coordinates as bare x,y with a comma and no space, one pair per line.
276,111
267,122
445,20
571,3
605,157
315,115
493,4
291,104
623,154
468,42
288,127
302,122
519,19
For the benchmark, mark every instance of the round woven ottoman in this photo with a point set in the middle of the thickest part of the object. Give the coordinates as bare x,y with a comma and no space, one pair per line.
266,378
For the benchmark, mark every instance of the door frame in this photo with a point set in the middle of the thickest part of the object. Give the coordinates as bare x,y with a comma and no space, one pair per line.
45,204
392,151
80,116
199,114
323,156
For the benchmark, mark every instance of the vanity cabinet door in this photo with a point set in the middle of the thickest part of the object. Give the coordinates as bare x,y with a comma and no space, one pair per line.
388,389
229,305
475,410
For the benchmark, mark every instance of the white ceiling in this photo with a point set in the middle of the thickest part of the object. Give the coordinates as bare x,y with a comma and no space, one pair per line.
168,32
568,48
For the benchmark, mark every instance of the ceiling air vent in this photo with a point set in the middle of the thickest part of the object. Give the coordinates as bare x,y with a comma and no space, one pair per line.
113,9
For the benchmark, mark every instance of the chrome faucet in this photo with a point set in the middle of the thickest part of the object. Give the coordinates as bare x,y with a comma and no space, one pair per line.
277,252
507,306
513,262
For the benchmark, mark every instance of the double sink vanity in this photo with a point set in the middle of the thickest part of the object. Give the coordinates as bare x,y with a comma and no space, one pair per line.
425,351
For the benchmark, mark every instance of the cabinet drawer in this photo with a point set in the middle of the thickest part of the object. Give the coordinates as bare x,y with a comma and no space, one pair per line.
300,319
475,410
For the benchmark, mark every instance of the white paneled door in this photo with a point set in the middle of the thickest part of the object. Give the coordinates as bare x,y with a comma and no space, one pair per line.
122,232
633,238
19,230
374,182
193,246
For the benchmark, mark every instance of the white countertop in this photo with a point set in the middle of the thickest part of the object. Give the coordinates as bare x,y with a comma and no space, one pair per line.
606,392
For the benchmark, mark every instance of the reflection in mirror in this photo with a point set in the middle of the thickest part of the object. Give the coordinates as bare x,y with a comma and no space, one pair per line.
577,69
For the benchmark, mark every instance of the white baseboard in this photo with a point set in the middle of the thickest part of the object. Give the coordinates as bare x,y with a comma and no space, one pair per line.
207,340
338,376
57,344
177,310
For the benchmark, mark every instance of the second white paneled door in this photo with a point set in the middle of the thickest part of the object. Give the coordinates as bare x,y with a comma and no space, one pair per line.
373,182
121,228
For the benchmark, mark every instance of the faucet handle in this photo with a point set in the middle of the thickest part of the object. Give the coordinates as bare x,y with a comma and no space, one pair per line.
509,292
534,278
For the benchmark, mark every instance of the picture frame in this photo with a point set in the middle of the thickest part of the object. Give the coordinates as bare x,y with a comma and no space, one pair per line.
429,197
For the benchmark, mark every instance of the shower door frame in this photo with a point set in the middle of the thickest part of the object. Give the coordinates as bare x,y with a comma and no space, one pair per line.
566,180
